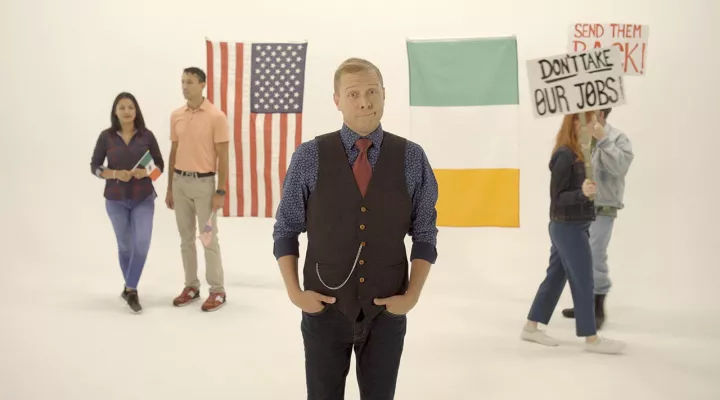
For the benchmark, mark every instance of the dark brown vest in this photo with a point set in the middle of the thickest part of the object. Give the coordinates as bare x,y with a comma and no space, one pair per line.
340,220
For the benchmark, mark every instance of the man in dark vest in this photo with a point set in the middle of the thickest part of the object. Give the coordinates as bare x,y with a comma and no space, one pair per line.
358,192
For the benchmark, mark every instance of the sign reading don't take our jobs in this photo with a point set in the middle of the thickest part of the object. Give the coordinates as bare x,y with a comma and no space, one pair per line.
576,82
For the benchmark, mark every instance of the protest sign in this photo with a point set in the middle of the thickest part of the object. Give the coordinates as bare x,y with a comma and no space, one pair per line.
630,39
573,83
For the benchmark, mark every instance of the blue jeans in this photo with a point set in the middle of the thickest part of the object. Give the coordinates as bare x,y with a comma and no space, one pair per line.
600,233
570,260
133,224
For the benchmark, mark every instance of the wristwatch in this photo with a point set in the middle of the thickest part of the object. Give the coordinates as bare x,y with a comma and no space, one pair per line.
220,192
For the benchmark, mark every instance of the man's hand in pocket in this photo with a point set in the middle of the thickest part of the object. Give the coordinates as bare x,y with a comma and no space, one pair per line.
311,302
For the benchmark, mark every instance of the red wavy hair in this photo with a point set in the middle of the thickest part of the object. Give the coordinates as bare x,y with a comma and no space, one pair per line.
567,136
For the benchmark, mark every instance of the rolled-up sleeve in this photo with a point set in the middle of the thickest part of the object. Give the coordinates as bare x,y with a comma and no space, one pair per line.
98,157
290,216
424,194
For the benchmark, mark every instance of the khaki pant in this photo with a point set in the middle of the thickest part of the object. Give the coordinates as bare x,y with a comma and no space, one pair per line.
193,206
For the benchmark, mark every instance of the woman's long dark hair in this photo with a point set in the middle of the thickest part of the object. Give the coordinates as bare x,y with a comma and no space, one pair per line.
115,121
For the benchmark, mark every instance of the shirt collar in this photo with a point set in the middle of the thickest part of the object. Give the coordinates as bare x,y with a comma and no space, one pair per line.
349,137
203,106
120,132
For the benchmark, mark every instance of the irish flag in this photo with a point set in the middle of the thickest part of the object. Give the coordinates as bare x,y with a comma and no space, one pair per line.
147,162
464,112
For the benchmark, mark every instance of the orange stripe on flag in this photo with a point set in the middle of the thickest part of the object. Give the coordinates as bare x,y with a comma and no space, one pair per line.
478,197
154,174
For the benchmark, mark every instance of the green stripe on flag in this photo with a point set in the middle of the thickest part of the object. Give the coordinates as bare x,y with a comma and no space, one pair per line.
463,72
147,158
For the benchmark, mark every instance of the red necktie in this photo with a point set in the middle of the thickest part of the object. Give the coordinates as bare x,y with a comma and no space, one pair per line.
362,168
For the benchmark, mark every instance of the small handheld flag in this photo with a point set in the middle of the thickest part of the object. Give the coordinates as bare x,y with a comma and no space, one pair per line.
206,235
148,163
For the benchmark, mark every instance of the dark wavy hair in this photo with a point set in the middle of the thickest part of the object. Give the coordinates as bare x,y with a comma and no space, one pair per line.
115,121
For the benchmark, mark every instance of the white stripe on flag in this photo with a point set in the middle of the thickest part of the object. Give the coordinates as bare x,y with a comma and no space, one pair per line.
232,171
260,163
275,164
290,146
245,134
217,67
495,129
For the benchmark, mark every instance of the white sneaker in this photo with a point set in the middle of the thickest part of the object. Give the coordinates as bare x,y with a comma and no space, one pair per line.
538,336
605,346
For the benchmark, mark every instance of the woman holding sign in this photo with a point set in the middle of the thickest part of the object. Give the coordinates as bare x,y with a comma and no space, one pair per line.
571,212
131,150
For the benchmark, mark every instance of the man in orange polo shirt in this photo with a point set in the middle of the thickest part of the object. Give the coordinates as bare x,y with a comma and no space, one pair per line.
200,135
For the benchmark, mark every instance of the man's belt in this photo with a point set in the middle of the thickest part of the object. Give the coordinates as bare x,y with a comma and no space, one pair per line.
194,174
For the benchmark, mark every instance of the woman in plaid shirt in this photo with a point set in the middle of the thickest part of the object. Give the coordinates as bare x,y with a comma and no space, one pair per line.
129,192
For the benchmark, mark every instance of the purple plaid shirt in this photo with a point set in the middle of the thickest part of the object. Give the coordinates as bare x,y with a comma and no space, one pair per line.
121,156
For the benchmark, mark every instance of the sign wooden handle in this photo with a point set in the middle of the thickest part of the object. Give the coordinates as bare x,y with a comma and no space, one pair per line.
586,147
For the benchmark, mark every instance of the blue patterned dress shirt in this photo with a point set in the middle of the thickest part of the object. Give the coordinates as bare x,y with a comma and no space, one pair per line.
302,176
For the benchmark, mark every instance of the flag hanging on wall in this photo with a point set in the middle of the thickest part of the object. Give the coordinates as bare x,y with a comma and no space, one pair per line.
260,87
464,110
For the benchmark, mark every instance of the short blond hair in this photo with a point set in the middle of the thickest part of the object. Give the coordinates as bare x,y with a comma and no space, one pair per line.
354,65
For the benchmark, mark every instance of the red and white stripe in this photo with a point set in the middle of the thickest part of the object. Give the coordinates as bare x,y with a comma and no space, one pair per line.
261,145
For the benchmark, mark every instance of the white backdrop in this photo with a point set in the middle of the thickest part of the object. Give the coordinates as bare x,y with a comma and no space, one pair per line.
63,63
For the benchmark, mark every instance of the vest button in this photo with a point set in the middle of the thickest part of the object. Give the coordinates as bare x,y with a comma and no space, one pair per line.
362,280
361,262
362,227
363,209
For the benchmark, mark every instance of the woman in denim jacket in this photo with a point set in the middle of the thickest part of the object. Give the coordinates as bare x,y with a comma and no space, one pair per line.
571,212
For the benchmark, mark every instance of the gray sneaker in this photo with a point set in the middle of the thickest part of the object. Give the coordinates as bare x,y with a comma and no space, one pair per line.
538,336
605,346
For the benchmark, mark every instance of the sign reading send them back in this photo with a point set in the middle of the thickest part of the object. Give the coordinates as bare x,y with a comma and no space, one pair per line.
576,82
630,39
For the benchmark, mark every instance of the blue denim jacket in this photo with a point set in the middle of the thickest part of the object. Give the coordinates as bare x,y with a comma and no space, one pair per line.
611,159
567,201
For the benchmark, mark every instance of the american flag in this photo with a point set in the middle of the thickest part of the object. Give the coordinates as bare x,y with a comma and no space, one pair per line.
260,87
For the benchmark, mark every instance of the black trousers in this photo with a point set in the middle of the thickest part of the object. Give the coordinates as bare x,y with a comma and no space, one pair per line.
329,338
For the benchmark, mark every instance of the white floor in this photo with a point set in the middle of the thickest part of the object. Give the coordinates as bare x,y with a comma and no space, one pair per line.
66,335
